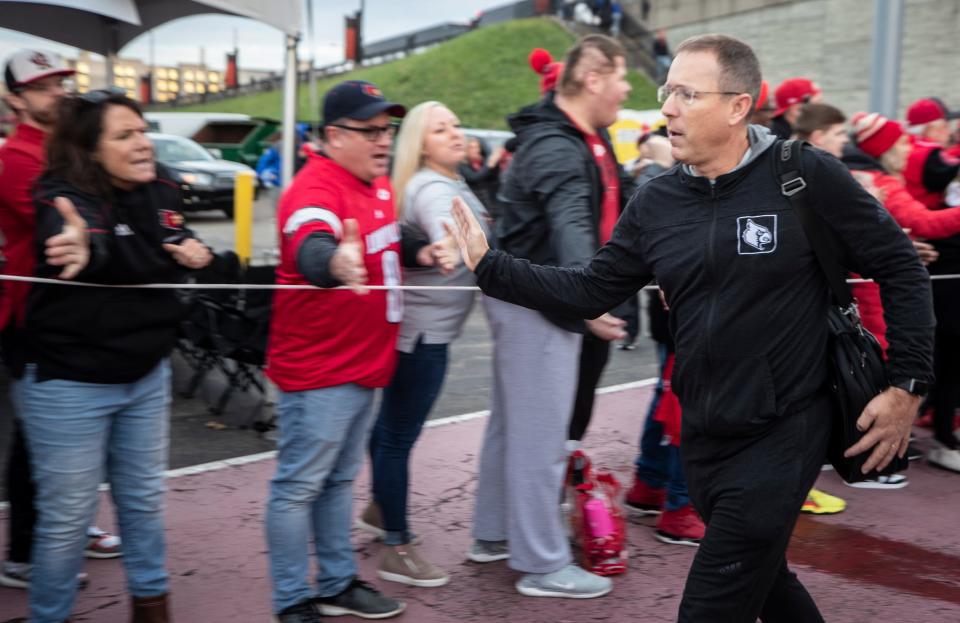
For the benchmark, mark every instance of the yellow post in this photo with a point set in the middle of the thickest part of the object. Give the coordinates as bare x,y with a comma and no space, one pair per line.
243,216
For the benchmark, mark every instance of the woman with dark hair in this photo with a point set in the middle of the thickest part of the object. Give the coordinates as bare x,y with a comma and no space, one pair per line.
94,385
481,171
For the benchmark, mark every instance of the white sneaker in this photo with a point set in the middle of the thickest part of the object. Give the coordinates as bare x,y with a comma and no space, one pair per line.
571,582
893,481
488,551
17,575
944,457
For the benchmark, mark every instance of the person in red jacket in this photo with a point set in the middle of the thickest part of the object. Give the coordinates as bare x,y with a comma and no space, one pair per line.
933,163
330,351
888,149
34,80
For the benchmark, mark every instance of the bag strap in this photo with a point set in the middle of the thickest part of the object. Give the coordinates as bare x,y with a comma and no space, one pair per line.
793,186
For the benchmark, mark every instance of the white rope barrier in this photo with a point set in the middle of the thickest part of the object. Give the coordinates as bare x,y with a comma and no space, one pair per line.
256,286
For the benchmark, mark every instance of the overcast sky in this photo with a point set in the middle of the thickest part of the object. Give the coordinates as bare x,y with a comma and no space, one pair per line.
261,47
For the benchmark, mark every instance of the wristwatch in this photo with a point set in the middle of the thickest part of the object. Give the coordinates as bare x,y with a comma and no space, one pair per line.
914,386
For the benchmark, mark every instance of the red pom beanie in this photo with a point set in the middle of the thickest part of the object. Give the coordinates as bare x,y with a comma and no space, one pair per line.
549,70
874,133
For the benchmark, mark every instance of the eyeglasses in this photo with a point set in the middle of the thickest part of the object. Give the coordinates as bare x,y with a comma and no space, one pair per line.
687,96
99,96
372,133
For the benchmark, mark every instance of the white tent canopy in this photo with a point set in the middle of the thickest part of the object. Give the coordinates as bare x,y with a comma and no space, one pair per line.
105,26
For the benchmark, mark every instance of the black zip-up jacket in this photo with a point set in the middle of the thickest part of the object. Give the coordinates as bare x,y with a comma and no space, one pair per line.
552,194
747,299
108,335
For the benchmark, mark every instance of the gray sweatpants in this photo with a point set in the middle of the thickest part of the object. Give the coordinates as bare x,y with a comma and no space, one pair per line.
523,460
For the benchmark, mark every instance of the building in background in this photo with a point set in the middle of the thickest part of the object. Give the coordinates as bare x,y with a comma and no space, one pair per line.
167,82
828,41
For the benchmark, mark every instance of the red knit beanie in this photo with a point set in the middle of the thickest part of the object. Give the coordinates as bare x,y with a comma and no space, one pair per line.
542,62
874,133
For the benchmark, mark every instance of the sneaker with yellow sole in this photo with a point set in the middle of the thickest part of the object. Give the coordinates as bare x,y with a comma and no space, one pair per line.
820,503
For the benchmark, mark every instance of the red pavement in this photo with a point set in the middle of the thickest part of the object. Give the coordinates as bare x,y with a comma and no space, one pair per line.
892,556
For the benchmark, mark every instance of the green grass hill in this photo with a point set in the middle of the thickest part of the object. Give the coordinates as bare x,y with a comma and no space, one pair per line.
482,76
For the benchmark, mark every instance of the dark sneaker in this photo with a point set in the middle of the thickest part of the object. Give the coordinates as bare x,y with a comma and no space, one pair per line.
913,452
362,600
303,612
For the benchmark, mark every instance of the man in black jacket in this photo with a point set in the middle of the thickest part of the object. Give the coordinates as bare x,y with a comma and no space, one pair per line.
748,306
561,200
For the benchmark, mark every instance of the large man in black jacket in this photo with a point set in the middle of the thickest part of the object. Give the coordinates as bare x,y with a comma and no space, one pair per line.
748,305
561,200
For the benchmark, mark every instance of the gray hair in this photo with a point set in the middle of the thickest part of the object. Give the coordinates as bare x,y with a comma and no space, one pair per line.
739,67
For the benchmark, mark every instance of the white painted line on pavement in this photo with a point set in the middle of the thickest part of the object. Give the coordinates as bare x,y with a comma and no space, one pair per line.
444,421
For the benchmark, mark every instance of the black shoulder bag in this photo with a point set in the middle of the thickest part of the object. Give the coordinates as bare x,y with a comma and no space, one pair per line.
854,356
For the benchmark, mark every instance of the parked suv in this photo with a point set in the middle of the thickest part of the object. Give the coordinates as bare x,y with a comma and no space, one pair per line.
206,182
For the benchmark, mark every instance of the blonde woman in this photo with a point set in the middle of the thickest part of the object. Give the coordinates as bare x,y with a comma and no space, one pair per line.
430,146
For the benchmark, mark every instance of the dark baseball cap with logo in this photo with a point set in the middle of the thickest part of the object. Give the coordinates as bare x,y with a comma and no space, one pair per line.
357,99
28,66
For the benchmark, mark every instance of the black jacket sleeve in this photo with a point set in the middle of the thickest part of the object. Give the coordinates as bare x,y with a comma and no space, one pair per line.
877,248
411,241
938,173
49,223
616,271
478,176
559,182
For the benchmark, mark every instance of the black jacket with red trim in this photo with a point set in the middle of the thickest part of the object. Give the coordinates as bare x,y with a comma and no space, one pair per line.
107,335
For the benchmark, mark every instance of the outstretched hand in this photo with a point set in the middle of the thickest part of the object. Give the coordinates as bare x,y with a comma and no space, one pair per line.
347,264
443,254
468,234
191,253
71,247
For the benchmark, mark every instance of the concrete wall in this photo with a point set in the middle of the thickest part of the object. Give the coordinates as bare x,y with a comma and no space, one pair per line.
829,41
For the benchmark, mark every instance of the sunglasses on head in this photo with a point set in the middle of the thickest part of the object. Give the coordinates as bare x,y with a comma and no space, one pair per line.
99,96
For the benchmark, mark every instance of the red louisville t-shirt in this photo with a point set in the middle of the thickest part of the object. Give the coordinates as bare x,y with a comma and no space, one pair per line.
610,206
322,338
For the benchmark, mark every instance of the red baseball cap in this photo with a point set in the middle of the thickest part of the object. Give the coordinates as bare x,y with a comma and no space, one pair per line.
794,91
926,110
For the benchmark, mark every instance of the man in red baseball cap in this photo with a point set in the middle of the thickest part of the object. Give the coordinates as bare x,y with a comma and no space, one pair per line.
933,164
790,96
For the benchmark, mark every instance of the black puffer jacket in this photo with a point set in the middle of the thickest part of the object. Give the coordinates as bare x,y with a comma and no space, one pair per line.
552,194
107,335
748,300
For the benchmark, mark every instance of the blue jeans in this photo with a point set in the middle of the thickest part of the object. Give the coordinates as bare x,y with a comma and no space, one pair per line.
406,403
322,436
658,464
74,432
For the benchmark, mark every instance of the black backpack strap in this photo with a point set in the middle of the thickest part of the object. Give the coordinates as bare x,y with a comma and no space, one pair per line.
793,186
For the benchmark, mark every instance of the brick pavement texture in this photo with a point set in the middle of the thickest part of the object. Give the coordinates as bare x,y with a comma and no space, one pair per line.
892,556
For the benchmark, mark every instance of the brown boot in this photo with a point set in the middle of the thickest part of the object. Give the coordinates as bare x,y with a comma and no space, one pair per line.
150,610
